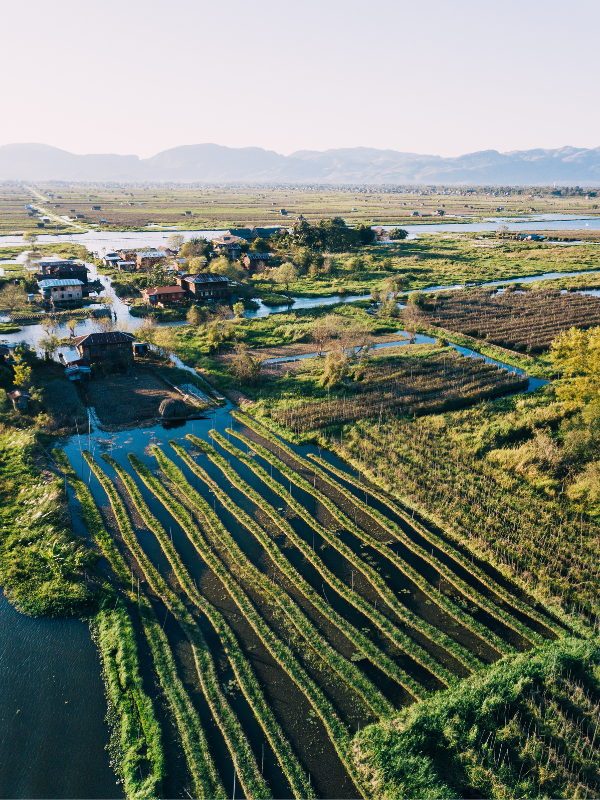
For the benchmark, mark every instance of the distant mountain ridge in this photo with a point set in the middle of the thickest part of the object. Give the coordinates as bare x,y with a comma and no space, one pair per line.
213,163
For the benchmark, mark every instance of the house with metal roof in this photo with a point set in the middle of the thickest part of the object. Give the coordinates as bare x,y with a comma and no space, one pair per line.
254,261
61,289
146,259
113,346
165,295
205,286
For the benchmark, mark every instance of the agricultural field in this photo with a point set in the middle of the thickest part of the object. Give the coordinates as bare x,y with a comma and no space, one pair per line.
301,607
214,207
399,384
524,320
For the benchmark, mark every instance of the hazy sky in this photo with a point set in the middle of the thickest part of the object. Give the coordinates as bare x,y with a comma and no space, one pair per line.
428,76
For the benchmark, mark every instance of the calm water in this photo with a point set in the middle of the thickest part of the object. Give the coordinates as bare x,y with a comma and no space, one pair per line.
52,707
113,240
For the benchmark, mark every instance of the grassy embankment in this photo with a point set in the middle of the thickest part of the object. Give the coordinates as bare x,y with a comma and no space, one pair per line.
526,728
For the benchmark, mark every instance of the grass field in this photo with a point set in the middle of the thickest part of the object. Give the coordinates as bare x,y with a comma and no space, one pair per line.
135,207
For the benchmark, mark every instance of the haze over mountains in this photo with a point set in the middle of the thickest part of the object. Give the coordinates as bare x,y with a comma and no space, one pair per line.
214,163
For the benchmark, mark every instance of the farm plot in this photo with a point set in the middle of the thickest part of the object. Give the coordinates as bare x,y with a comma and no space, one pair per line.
323,614
528,320
405,386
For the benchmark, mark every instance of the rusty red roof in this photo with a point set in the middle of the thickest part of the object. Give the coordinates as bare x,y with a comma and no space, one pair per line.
165,290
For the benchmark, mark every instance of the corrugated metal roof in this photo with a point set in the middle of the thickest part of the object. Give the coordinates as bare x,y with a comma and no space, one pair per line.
112,337
206,277
165,290
49,283
150,254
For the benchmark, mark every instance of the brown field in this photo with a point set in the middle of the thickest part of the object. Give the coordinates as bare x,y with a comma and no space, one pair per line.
123,401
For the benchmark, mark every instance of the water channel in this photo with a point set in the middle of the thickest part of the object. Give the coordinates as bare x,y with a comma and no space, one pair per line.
52,706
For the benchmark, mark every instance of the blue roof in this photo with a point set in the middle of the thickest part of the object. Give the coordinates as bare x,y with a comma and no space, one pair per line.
50,283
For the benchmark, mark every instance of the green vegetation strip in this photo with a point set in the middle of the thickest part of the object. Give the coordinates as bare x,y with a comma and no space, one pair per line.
246,678
467,590
247,769
460,653
511,599
528,727
402,641
115,637
358,639
116,640
436,596
279,651
462,587
347,670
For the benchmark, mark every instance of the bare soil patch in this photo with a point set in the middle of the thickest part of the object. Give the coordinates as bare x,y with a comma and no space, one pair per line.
123,401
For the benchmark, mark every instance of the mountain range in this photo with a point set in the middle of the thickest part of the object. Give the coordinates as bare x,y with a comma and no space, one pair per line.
212,163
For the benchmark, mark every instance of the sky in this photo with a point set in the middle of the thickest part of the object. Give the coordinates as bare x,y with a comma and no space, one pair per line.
441,77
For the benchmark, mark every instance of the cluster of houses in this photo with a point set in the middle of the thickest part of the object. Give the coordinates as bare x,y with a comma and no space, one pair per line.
199,287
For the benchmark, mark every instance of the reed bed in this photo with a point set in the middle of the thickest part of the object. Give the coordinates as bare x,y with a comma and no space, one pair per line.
415,386
528,320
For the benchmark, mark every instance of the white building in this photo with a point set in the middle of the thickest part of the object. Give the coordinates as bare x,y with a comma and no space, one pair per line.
61,289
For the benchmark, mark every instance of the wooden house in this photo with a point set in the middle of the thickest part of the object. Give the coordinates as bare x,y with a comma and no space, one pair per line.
114,346
205,286
228,245
165,295
256,261
146,259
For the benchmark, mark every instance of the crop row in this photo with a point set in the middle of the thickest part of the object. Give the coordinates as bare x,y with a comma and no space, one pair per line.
347,670
116,641
435,596
247,769
454,554
361,642
246,678
524,320
394,530
551,549
464,656
401,640
465,590
118,648
282,654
